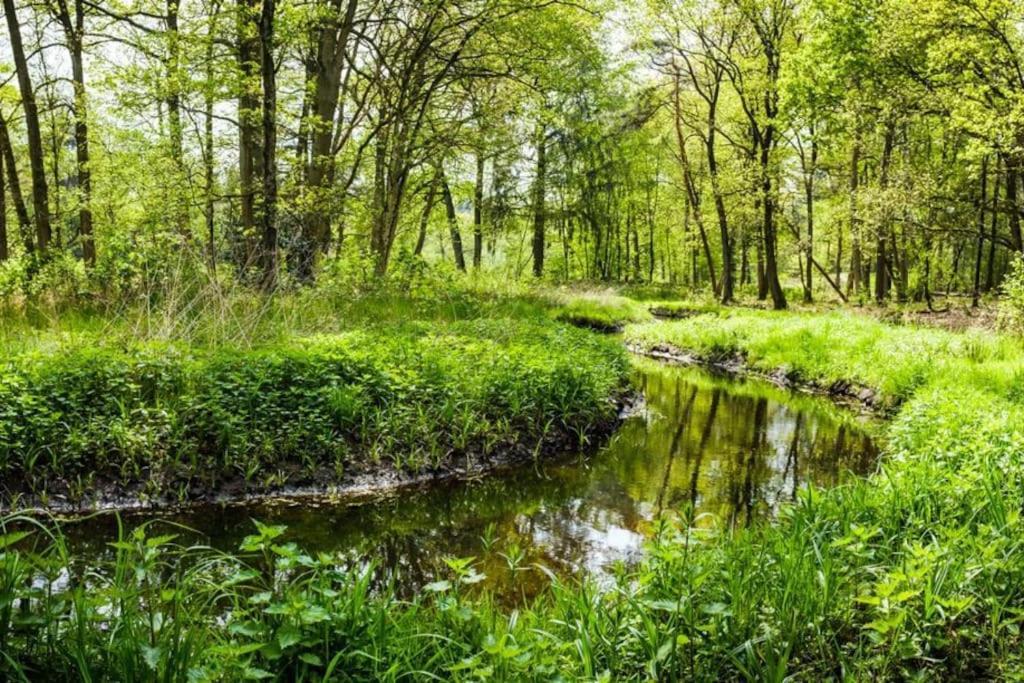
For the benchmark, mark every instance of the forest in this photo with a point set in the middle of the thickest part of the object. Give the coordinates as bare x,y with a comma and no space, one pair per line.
671,340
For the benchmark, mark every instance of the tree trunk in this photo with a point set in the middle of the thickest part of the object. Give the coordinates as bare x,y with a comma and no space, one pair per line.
990,269
856,273
176,129
1012,207
539,207
14,184
208,150
332,44
268,237
691,187
982,197
4,253
428,208
74,29
478,213
453,224
809,244
250,155
40,192
769,199
882,229
723,219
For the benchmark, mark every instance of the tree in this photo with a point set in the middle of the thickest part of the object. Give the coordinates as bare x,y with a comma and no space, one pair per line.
40,192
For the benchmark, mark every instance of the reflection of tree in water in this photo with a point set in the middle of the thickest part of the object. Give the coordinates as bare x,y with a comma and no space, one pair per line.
731,451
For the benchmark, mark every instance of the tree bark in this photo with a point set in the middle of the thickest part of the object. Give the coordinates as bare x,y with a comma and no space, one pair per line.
175,126
853,282
1012,206
982,197
691,186
539,208
268,237
332,44
453,224
769,200
882,229
4,253
74,30
40,192
14,184
990,269
478,213
428,208
250,155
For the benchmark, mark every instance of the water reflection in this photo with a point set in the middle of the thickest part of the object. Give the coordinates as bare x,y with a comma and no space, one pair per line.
734,451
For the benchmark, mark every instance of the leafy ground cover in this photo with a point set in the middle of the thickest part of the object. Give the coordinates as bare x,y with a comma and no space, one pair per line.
379,381
914,573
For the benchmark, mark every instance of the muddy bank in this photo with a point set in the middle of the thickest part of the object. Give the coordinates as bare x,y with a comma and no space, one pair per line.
843,392
361,481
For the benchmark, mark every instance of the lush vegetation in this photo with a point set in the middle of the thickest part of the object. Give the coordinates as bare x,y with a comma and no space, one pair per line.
232,260
425,388
788,149
913,572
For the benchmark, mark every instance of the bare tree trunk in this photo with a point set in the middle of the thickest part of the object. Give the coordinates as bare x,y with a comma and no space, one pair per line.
478,213
74,30
453,224
809,244
268,241
982,196
853,283
14,183
40,192
4,253
208,150
315,232
769,199
176,130
1012,206
990,269
250,155
691,188
539,207
881,276
428,208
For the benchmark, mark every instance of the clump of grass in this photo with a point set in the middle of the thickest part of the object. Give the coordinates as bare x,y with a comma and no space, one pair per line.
601,311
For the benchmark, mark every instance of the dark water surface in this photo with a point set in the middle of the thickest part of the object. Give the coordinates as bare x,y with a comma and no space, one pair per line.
733,450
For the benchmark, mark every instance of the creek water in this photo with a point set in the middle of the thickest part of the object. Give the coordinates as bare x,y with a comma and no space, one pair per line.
731,451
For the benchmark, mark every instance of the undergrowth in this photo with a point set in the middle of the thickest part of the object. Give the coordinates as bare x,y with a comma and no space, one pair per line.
914,573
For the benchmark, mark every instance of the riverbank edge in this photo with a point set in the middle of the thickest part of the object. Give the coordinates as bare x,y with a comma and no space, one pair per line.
845,393
372,481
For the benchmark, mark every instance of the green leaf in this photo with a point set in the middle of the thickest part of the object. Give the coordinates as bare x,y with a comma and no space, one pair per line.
311,659
287,636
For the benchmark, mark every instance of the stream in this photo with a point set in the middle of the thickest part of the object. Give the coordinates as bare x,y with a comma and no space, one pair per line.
734,450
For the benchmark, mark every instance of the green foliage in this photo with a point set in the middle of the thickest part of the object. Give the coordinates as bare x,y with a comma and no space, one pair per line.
1011,307
826,348
168,418
601,311
915,572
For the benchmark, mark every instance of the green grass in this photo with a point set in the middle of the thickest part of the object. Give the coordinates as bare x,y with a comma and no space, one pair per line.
207,385
914,573
164,419
600,311
895,360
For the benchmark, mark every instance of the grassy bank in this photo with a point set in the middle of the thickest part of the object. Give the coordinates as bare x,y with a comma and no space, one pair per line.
917,572
342,386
